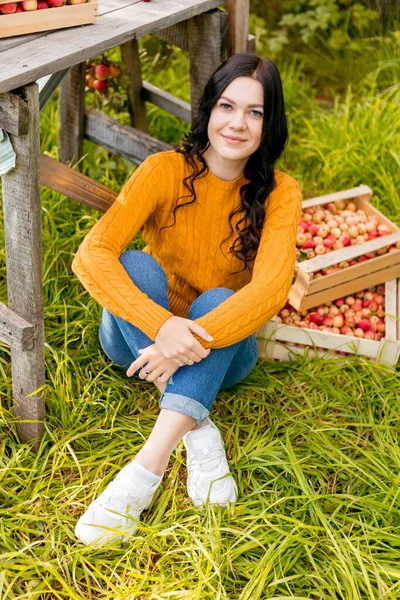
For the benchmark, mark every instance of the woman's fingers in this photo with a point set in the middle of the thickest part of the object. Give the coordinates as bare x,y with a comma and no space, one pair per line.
145,356
154,375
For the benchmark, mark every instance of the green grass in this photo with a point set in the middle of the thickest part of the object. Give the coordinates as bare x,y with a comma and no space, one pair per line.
313,445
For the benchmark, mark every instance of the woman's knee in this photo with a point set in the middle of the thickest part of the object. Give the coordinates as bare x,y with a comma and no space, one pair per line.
142,268
209,300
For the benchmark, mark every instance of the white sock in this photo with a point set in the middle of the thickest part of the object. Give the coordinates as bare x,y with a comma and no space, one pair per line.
208,426
145,473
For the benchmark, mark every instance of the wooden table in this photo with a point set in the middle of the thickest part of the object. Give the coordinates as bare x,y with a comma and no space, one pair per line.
25,59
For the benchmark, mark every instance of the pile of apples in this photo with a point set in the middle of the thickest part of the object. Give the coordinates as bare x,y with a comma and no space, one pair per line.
27,5
99,75
336,225
360,315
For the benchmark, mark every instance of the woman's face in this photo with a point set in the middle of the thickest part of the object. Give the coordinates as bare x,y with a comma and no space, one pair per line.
238,114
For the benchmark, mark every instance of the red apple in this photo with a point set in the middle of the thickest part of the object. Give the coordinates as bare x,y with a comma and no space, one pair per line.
89,81
100,86
8,8
42,4
114,71
102,72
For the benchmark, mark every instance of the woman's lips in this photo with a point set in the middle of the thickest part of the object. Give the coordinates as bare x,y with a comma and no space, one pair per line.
233,141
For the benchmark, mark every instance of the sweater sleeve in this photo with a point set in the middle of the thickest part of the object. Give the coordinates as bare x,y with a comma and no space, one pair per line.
243,313
96,263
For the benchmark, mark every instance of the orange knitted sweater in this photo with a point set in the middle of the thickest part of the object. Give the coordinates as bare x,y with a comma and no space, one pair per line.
189,250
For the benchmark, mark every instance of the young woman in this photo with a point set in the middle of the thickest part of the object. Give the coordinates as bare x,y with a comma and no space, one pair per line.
220,225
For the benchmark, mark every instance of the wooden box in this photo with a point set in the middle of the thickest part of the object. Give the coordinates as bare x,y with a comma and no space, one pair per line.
50,18
275,340
307,292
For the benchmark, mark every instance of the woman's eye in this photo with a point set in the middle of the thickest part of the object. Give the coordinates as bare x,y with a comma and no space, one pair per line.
257,113
225,105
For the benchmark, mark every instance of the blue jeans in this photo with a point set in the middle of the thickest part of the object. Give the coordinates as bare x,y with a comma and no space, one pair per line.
192,388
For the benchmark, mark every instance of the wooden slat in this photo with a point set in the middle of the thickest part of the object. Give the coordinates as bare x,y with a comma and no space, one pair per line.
350,287
23,243
65,48
75,185
15,331
391,310
365,268
121,139
136,105
333,258
175,106
238,11
175,35
14,115
398,309
204,33
362,191
251,43
329,341
71,120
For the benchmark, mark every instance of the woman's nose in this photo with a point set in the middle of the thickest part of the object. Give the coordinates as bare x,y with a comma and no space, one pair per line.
238,120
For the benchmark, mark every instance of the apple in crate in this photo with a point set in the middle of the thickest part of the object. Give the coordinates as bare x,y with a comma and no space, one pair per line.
42,4
29,4
55,3
8,8
76,1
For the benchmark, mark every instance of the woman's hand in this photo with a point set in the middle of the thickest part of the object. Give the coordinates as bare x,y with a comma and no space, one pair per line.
175,340
160,367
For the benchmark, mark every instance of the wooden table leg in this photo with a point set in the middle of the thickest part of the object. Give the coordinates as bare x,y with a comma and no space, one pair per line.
23,244
72,114
204,45
136,104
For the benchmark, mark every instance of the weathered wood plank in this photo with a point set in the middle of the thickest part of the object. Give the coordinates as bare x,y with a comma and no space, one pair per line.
175,106
14,116
121,139
361,191
136,105
15,331
75,185
23,243
238,11
251,43
65,48
204,33
71,120
175,35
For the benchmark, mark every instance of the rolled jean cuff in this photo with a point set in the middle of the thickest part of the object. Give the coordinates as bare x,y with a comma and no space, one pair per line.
185,405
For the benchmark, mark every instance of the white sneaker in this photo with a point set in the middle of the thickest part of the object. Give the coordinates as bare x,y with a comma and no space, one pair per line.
111,516
209,478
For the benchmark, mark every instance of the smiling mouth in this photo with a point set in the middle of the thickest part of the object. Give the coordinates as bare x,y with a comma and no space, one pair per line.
232,139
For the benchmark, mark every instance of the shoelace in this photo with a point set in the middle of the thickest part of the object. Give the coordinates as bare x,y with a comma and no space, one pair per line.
112,499
197,457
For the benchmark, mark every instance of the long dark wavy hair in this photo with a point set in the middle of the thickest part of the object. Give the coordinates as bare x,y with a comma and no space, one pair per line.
259,169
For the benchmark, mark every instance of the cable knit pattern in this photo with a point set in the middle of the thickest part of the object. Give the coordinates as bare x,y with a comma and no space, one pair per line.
189,251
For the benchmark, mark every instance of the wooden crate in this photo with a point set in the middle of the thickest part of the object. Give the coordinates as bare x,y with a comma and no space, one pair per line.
307,292
273,337
52,18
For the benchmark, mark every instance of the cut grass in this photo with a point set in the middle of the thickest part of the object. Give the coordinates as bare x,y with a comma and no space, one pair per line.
313,445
